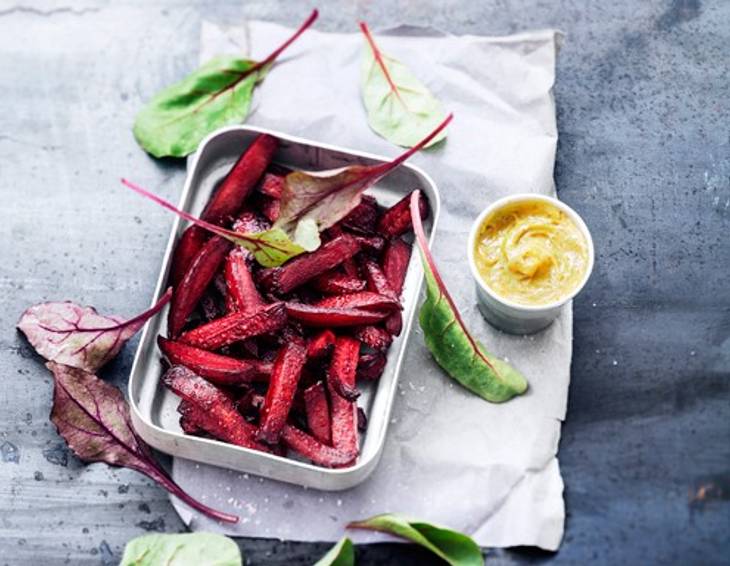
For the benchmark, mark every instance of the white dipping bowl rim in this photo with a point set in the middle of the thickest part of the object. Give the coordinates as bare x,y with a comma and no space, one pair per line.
522,197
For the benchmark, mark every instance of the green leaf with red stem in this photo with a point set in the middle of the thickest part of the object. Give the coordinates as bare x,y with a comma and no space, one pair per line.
400,108
453,547
217,94
80,337
316,201
271,248
451,343
341,554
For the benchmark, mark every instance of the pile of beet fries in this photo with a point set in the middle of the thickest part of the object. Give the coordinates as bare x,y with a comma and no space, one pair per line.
269,359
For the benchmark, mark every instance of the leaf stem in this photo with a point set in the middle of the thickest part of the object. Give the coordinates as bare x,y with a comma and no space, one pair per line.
387,167
178,492
149,313
217,230
423,245
274,54
379,60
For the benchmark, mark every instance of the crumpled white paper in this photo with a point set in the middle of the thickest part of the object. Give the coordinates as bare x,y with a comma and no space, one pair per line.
450,457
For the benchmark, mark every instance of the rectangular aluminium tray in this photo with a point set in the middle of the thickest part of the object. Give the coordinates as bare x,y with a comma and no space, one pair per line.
153,406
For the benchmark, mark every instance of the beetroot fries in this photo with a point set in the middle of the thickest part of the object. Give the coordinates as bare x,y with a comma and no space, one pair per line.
270,359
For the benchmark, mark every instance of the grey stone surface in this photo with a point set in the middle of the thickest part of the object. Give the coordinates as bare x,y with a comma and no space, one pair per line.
644,155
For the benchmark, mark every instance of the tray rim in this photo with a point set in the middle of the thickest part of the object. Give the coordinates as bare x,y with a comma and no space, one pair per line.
151,432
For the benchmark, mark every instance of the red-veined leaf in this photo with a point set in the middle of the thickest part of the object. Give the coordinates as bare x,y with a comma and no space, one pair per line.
314,201
80,337
451,343
93,417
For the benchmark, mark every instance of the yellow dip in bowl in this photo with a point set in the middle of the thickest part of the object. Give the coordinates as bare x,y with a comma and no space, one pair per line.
531,252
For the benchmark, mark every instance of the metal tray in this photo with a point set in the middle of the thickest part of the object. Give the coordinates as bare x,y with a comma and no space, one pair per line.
154,414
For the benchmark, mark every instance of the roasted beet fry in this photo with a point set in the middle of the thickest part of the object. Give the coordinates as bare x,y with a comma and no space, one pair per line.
308,266
317,452
317,410
364,217
226,201
371,366
376,280
396,257
237,326
371,243
272,185
192,239
374,337
242,293
344,425
397,219
365,300
282,387
210,409
333,283
321,344
322,317
200,273
218,369
186,423
270,208
341,374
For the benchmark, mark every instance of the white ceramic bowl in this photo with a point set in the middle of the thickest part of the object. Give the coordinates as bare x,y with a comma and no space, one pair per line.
510,316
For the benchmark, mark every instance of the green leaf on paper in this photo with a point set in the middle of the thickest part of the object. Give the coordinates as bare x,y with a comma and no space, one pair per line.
188,549
217,94
455,548
400,108
451,343
341,554
270,248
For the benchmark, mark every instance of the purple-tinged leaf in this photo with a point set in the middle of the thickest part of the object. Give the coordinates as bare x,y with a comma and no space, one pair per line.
80,337
323,198
93,417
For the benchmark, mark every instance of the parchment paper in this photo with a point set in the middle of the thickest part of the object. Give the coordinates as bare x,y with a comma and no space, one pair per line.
450,457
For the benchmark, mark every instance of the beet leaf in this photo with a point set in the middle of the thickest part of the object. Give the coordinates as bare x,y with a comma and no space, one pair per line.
219,93
314,201
400,108
93,417
271,247
80,337
455,548
341,554
451,343
180,549
310,202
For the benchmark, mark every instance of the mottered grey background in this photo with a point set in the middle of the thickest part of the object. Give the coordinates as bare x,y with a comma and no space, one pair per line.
643,155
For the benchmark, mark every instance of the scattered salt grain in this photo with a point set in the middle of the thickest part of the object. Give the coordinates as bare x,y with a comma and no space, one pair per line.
615,362
339,503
